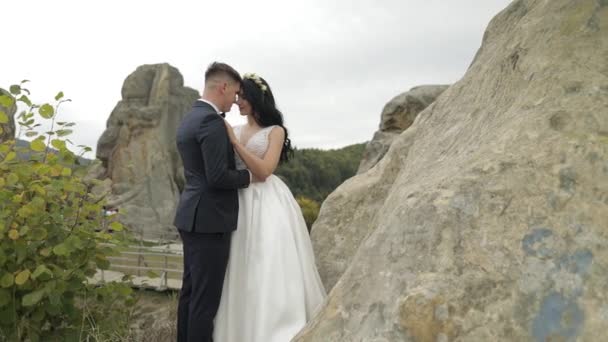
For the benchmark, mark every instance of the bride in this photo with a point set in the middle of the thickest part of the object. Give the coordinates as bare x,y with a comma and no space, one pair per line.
272,286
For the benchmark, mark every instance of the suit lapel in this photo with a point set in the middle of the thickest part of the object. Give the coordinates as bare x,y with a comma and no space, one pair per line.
207,107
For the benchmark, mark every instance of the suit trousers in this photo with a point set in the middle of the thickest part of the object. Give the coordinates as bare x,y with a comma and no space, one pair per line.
205,261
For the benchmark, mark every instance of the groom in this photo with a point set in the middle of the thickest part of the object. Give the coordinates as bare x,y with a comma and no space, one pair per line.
208,207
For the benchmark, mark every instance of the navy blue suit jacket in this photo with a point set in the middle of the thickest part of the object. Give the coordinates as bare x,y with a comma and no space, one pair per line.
209,202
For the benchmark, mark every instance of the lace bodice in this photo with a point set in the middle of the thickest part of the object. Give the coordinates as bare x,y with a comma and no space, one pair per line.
257,144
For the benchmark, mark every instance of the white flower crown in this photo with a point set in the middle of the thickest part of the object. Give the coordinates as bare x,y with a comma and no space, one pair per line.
255,78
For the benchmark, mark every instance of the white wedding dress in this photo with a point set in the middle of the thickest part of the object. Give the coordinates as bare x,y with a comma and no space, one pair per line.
272,286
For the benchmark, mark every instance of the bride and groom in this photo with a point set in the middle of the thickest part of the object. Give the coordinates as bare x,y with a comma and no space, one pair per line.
249,269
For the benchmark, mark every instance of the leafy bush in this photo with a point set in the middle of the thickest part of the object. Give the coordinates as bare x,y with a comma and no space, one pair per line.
310,210
50,241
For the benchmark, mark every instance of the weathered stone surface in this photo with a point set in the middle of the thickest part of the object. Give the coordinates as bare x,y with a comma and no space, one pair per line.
8,129
493,225
397,115
348,213
138,152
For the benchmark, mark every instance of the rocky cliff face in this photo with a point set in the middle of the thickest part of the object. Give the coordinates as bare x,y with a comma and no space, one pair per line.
486,220
397,115
140,162
7,131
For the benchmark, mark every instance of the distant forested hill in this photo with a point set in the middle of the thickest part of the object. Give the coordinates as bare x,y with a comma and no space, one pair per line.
315,173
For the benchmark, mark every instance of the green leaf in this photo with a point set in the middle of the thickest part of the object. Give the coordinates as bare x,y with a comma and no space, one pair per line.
22,277
38,202
3,117
46,111
37,145
66,172
40,191
24,230
12,179
116,226
7,280
124,290
102,263
30,134
15,89
25,100
32,298
61,250
10,156
58,96
58,144
42,271
22,251
38,316
24,81
2,257
39,234
74,242
8,316
5,297
55,308
13,234
6,101
64,132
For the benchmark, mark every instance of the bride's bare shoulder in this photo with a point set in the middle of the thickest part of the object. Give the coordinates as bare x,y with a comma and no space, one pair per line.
277,132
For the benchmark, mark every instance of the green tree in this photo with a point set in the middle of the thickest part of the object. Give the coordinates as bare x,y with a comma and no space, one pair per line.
50,243
315,173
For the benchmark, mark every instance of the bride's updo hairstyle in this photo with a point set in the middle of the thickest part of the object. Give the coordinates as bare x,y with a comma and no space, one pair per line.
264,110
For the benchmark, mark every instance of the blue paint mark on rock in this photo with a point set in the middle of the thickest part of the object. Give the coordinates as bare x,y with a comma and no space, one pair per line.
559,319
577,263
531,243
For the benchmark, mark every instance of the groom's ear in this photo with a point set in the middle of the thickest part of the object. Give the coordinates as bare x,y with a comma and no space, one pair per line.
223,86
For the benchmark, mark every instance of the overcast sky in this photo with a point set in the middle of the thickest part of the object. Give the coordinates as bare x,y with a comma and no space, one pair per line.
332,64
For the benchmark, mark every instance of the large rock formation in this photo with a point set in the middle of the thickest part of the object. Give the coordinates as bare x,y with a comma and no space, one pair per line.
397,115
489,217
7,131
140,162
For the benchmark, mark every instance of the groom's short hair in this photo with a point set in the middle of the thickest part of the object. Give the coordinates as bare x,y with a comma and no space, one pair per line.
216,69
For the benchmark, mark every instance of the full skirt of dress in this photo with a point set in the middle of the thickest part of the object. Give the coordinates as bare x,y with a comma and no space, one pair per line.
272,287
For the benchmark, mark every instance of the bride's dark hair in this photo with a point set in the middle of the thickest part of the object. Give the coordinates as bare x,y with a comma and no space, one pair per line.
264,110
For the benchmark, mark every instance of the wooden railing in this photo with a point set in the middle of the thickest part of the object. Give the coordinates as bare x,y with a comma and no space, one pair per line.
151,263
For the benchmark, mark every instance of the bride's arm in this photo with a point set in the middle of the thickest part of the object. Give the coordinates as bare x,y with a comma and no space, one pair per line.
261,168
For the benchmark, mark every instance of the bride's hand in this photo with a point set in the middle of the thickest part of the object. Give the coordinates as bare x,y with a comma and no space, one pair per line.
230,132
